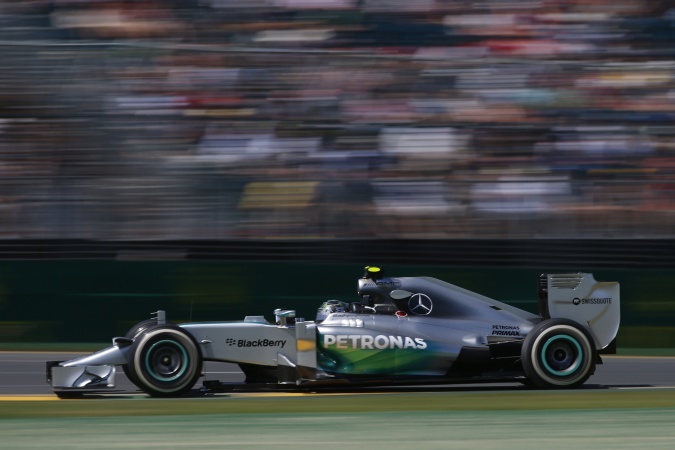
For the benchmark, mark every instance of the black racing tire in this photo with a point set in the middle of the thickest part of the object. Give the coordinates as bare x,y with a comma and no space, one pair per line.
558,354
140,327
133,333
65,395
527,382
165,361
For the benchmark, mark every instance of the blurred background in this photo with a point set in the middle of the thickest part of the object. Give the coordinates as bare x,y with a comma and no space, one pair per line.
336,118
442,121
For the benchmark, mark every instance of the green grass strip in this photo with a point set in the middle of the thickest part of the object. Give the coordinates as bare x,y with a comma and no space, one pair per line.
345,403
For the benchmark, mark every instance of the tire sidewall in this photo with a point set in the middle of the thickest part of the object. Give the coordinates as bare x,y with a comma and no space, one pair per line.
189,366
552,332
133,333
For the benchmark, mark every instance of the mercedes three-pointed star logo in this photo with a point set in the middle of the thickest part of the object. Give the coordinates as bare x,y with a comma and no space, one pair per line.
420,304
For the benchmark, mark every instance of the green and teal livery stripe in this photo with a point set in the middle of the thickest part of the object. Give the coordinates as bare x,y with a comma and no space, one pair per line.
381,361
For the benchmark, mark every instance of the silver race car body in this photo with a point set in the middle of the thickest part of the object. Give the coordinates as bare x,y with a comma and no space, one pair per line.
406,329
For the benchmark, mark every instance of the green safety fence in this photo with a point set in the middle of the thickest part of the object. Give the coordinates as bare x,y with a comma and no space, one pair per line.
94,300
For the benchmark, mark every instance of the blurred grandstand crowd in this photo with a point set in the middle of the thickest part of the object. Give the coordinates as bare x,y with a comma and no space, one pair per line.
173,119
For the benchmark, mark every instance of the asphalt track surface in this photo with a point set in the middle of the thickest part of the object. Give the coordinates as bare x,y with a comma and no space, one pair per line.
23,373
547,425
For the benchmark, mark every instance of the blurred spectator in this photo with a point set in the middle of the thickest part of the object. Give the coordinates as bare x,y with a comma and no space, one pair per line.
336,118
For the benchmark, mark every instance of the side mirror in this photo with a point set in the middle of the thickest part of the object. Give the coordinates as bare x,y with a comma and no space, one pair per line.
400,294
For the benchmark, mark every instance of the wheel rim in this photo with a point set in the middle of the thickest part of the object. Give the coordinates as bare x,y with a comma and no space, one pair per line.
562,355
166,360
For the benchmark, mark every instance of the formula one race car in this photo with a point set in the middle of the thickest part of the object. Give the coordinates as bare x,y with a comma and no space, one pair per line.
402,330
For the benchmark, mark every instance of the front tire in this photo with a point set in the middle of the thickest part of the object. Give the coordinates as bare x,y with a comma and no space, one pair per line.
133,333
558,353
165,361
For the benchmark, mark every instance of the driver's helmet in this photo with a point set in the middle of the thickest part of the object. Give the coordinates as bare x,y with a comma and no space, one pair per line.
330,307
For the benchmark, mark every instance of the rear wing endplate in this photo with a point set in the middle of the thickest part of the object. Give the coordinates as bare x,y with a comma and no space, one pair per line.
579,297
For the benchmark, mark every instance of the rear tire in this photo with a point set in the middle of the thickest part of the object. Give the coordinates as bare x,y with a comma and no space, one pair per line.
165,361
558,353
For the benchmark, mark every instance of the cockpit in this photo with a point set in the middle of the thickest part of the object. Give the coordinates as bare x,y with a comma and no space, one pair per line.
376,294
419,297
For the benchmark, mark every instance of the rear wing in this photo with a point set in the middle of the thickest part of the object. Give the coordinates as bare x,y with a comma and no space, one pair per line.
579,297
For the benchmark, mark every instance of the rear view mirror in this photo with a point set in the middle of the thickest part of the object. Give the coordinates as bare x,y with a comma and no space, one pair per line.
400,294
